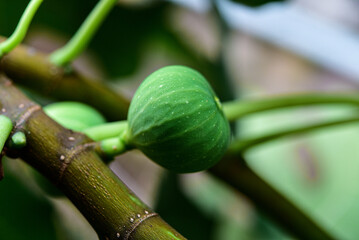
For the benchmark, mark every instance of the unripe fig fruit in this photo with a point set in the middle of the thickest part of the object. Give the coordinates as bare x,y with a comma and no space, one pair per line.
176,120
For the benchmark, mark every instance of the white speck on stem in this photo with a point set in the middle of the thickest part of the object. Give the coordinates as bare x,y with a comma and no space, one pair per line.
132,219
62,157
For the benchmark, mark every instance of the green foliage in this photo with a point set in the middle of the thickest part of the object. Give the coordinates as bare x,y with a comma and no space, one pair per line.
177,121
170,133
46,186
179,211
127,41
24,213
74,115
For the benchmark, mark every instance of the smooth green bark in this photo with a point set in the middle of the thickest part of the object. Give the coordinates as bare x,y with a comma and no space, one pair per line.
68,159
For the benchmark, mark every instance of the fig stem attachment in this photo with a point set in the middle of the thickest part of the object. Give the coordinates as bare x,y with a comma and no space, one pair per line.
242,145
105,131
113,146
83,36
237,109
21,29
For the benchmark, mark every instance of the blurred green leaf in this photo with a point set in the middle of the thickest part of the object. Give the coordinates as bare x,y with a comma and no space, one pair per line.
316,171
266,229
175,208
10,13
119,42
23,214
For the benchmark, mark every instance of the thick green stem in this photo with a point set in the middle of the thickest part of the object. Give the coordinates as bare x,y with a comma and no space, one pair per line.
240,108
242,145
21,28
83,36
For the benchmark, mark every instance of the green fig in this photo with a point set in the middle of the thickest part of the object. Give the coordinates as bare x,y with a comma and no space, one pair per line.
176,120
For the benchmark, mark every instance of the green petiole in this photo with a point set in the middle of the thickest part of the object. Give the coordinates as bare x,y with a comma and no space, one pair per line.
105,131
111,147
242,145
21,28
240,108
112,137
83,36
5,130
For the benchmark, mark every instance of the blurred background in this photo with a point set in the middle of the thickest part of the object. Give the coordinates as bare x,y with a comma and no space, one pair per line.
246,49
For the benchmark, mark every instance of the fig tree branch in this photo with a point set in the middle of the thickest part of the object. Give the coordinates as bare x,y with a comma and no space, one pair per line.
237,174
68,159
34,70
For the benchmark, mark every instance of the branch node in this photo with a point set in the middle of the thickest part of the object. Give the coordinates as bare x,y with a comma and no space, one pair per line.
26,114
66,160
137,223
